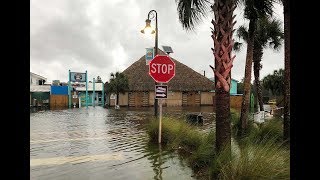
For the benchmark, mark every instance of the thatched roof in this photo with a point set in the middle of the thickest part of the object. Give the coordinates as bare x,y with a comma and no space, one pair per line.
185,79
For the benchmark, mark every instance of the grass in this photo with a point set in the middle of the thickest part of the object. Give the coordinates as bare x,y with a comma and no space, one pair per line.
260,155
257,161
202,156
271,130
175,133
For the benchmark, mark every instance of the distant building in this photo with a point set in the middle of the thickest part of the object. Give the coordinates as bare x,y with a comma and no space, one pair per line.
234,84
187,88
36,79
39,91
97,98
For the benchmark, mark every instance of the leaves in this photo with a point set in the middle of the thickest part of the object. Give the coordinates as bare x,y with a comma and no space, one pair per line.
118,83
191,12
274,82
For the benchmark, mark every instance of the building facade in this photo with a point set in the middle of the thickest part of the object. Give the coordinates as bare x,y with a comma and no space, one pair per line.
39,91
36,79
186,88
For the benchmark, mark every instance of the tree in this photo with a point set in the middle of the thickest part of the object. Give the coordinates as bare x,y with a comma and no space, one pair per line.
191,13
253,10
118,84
268,32
274,82
286,113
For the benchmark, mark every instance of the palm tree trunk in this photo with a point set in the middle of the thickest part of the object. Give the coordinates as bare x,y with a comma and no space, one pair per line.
286,116
247,77
223,44
223,130
257,56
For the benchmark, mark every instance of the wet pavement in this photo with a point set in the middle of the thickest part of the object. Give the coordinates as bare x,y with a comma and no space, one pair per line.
99,143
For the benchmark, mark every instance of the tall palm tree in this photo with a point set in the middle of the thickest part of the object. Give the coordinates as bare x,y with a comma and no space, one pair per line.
191,13
286,113
268,32
118,84
253,10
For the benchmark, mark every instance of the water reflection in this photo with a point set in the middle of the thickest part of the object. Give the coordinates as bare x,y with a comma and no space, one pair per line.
157,162
96,143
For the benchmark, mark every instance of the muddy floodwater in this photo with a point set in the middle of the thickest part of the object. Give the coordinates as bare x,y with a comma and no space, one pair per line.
98,143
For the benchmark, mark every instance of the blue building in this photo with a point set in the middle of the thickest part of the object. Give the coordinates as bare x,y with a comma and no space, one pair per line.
234,85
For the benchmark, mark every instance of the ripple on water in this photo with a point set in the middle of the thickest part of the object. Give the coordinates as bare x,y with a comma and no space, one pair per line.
96,143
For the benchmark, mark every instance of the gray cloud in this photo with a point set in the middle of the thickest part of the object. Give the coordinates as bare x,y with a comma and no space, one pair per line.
104,36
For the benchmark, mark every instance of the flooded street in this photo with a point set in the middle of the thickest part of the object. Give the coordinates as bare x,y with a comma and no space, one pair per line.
99,143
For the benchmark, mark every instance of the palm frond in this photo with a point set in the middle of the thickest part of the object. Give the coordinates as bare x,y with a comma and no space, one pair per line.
237,46
191,12
275,34
258,8
242,33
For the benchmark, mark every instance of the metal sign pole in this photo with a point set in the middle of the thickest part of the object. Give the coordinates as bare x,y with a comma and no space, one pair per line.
69,89
94,93
86,89
160,118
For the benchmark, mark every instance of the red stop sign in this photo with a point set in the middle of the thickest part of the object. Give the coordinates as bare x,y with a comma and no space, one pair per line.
162,68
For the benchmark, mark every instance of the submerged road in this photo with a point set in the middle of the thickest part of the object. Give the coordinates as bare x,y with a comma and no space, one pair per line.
98,143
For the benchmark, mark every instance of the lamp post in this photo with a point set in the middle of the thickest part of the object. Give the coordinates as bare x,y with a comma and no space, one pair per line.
146,30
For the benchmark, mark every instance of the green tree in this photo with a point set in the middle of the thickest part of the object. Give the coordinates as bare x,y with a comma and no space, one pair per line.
118,84
268,33
191,13
253,10
274,82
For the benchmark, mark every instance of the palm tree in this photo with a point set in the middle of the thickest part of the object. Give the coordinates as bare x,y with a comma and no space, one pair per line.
286,113
274,82
191,13
253,10
268,32
118,84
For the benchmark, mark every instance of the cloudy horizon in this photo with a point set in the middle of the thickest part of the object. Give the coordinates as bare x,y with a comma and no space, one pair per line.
104,36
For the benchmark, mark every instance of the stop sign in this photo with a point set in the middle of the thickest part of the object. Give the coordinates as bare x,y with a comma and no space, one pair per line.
162,68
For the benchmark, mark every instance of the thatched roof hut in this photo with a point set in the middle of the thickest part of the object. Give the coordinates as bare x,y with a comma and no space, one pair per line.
186,79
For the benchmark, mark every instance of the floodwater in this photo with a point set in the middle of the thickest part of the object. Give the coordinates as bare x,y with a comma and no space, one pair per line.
97,143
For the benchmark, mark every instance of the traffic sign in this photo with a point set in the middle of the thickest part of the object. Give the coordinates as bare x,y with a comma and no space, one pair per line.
161,91
162,68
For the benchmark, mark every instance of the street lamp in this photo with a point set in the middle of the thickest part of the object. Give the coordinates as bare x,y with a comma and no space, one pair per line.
148,30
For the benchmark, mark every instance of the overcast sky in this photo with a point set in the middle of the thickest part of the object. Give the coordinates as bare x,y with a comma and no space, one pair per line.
103,36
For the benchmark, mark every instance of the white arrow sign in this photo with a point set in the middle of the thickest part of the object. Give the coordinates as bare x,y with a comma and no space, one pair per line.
162,95
161,91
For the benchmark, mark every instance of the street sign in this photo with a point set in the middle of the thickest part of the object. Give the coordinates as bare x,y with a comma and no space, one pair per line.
149,55
162,68
161,91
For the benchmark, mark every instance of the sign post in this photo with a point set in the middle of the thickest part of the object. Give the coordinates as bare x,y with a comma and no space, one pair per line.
75,77
161,93
162,70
